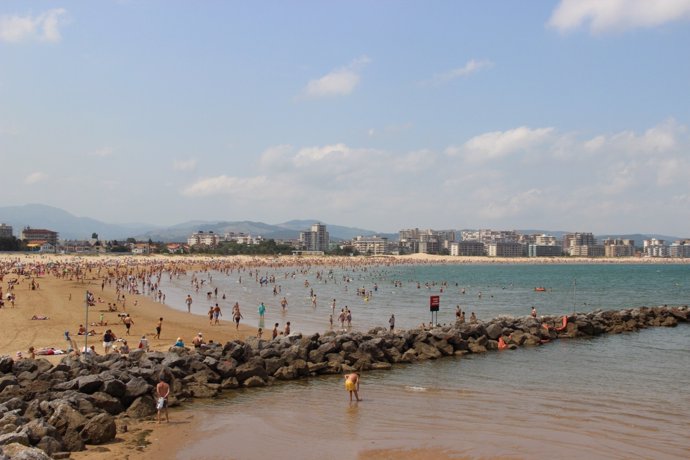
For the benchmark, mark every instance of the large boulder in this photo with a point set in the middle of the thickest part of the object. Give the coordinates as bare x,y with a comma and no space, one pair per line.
425,351
14,437
89,384
7,380
99,430
106,402
66,419
142,407
19,451
494,331
252,368
114,388
137,387
6,364
37,429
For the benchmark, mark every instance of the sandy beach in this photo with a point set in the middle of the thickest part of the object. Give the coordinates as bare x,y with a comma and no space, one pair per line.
62,302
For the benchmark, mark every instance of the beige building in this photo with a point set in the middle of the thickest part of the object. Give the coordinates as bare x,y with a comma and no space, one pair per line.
371,245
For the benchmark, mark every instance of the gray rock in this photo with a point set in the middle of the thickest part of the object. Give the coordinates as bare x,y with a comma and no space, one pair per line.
137,387
142,407
254,381
99,430
37,429
49,445
19,451
114,388
89,384
106,402
65,419
9,438
7,380
494,331
6,364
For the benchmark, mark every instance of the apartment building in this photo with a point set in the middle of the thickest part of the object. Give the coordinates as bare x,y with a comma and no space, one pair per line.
39,236
201,238
5,231
371,245
316,239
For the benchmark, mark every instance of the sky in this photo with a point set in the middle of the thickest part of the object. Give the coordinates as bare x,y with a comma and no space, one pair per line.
564,115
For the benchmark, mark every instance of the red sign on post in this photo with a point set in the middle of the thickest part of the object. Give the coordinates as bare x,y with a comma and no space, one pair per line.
434,302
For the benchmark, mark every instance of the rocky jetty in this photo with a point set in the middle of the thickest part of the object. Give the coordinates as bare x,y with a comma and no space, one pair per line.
47,411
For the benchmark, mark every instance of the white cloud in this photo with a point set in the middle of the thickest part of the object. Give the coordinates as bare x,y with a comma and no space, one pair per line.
470,67
339,82
44,27
102,152
184,165
225,185
497,144
663,137
606,15
35,177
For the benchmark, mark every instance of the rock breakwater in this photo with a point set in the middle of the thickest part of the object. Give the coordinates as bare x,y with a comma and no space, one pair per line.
49,410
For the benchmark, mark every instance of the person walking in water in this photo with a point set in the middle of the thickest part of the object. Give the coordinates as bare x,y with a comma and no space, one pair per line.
352,385
236,315
391,322
188,301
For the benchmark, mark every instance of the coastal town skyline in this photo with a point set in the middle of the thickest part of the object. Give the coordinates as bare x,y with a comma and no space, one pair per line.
385,115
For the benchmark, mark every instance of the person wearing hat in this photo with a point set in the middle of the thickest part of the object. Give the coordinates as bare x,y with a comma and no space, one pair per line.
198,341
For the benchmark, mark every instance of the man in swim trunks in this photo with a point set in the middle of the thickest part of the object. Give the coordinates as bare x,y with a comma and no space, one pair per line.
162,391
352,385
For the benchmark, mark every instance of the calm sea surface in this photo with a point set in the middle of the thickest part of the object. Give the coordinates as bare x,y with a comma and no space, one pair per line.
622,396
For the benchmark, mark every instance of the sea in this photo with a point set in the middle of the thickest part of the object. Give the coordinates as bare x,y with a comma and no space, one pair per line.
612,397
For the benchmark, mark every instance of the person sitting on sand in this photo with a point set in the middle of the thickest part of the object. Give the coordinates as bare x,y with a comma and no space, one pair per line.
124,348
179,343
352,385
144,343
198,341
32,352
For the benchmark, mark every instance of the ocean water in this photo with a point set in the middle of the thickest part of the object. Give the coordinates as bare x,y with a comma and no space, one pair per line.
404,290
612,397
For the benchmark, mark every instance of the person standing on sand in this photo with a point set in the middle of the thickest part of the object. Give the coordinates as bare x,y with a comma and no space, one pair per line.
128,322
275,331
210,315
162,391
352,385
188,301
158,328
216,314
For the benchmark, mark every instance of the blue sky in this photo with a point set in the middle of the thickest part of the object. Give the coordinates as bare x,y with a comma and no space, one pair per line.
563,115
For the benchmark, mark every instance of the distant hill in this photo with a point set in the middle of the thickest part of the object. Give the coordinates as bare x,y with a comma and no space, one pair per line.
73,227
68,225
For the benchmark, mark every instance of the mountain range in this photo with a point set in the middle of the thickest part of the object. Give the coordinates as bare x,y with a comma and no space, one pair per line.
72,227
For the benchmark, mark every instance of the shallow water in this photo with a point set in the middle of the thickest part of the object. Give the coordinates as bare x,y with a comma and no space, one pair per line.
622,396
